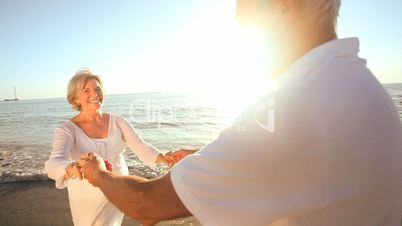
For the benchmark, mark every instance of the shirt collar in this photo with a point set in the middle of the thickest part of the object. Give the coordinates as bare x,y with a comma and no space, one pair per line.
331,49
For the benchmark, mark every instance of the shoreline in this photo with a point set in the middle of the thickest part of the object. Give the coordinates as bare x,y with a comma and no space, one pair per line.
38,203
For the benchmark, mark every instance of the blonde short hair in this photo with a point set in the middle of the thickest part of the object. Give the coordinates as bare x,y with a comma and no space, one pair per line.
77,83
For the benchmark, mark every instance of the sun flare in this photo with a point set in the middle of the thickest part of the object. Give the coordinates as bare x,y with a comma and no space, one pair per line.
213,56
224,60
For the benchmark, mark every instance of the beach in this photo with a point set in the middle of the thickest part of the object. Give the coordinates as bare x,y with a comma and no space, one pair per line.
39,203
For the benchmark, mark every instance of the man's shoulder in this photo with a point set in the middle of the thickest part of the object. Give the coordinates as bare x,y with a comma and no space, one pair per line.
338,69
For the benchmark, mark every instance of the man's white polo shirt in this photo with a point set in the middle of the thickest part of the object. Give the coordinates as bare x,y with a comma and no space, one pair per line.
323,150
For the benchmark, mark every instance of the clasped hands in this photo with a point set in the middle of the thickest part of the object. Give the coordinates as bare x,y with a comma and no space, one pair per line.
173,157
90,163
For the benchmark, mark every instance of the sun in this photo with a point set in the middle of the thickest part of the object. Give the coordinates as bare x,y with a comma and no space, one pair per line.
225,61
212,56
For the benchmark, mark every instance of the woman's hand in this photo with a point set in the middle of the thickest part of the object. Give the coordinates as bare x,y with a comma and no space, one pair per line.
73,171
176,156
163,159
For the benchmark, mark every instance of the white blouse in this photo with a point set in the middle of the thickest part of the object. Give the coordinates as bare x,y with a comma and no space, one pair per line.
88,204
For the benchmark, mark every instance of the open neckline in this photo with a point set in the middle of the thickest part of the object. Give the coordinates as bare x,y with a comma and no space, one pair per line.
91,138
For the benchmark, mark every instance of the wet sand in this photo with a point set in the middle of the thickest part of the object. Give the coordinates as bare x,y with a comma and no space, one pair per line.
40,203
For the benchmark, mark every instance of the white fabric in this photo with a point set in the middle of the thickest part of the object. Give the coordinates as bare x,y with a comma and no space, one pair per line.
324,149
88,204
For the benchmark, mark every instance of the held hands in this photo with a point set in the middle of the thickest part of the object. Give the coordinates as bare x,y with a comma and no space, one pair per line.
173,157
75,169
92,165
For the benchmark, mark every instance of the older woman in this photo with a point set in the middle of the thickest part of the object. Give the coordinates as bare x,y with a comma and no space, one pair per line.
93,131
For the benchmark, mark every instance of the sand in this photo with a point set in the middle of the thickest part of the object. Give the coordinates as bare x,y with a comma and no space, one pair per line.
40,204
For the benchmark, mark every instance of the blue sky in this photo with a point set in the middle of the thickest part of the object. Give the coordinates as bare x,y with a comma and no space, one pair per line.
159,45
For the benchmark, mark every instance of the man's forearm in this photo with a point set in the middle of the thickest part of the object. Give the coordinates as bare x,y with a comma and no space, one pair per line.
125,192
148,201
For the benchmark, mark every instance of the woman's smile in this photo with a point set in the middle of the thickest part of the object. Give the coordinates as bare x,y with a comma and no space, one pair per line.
96,101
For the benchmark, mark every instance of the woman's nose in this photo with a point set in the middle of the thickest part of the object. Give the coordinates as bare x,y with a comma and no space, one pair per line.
94,94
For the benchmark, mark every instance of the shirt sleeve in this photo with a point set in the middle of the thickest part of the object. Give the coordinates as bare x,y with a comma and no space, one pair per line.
255,175
145,151
59,158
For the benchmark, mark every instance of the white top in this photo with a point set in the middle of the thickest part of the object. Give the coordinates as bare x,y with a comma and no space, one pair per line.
88,204
324,149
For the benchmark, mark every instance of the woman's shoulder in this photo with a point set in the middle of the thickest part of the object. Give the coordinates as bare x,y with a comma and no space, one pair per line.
115,117
66,127
122,122
67,124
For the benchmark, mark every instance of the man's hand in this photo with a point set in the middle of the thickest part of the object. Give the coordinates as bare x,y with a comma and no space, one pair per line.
91,165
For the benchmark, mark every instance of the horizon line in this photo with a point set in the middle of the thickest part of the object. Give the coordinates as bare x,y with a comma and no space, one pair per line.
150,92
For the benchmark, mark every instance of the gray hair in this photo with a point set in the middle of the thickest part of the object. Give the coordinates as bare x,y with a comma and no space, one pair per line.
323,12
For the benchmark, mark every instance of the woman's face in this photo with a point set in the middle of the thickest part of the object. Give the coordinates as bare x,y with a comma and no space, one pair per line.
91,96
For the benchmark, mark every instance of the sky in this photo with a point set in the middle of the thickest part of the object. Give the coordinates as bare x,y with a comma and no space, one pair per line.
159,45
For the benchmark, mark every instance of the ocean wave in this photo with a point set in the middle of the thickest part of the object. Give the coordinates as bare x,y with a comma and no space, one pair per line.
25,162
7,177
152,125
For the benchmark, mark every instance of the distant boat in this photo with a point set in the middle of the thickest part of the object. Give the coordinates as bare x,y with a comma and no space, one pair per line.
15,96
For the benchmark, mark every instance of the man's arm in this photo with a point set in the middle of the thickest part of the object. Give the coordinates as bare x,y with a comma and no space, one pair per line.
148,201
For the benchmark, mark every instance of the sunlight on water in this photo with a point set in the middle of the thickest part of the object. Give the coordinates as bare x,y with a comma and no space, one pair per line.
166,120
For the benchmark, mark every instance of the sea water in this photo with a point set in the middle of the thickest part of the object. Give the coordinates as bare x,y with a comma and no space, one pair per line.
168,121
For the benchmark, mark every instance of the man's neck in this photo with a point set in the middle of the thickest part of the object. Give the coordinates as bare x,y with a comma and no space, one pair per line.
297,45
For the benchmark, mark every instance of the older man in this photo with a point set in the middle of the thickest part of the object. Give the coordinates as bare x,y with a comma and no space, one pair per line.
323,149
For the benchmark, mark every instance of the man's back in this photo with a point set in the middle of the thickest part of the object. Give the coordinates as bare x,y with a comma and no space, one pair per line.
361,130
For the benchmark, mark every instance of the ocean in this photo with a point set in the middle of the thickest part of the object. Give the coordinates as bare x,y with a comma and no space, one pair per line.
169,121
